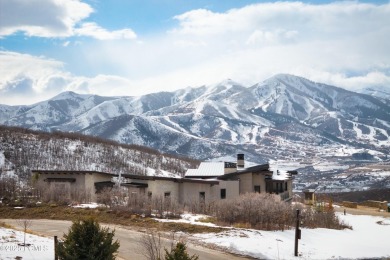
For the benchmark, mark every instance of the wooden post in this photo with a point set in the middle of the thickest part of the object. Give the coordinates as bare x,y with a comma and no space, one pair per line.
297,235
55,248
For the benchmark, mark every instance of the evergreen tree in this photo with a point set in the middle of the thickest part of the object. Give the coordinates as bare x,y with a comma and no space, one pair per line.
179,253
87,240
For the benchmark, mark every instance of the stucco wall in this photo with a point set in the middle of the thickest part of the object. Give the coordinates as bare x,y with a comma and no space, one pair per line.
90,179
289,188
232,189
78,184
85,182
258,180
189,191
245,183
160,187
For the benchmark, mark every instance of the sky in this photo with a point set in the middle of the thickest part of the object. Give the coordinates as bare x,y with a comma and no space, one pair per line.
135,47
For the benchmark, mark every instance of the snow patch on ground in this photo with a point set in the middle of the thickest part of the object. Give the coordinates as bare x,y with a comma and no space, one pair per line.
41,248
190,219
368,239
92,205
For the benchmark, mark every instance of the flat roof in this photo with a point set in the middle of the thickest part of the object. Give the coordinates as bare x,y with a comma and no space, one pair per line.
60,180
71,172
152,178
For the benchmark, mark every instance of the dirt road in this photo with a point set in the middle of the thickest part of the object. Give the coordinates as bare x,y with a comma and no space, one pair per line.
129,245
361,210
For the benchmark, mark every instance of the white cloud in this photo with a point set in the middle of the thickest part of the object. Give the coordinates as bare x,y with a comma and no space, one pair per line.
43,18
257,41
329,18
54,18
27,79
97,32
325,42
264,37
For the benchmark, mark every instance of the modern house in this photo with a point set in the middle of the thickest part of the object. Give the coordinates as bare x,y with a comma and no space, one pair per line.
310,196
182,190
258,178
212,181
72,184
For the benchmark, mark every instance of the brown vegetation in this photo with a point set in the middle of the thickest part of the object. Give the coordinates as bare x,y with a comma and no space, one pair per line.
268,212
102,215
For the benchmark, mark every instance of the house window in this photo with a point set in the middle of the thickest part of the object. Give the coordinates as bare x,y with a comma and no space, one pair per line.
167,198
285,186
202,196
308,196
257,188
223,193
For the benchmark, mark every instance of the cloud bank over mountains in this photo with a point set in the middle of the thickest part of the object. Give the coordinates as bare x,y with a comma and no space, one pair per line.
54,18
339,43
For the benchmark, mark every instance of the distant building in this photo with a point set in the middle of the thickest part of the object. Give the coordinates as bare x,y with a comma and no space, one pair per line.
310,196
212,181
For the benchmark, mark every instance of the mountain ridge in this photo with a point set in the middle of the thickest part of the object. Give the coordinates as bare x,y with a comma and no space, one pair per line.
264,120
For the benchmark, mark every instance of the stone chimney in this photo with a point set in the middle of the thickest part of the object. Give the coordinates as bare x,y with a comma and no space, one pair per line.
240,160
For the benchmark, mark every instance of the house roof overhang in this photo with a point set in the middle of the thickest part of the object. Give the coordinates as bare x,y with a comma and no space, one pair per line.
258,169
71,172
135,184
60,180
180,180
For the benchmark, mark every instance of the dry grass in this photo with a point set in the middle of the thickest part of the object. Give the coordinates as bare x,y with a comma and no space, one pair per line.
102,215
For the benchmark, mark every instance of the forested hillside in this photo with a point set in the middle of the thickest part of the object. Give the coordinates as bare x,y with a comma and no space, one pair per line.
22,150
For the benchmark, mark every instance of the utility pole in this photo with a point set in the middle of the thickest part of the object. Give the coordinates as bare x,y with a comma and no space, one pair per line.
297,235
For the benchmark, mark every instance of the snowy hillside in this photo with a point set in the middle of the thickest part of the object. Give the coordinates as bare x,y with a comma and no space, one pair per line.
22,151
284,117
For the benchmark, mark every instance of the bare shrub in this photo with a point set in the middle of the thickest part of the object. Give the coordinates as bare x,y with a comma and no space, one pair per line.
104,197
8,187
166,207
314,218
140,204
52,194
262,211
80,195
24,224
194,205
151,245
268,212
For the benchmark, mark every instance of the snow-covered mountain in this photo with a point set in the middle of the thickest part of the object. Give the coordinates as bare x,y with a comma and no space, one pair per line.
283,117
380,92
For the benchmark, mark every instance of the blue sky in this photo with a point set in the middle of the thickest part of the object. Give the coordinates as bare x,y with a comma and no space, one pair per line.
136,47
